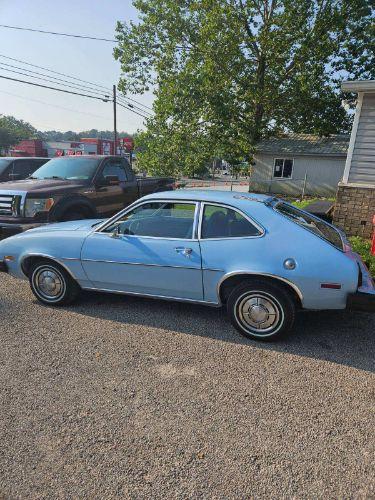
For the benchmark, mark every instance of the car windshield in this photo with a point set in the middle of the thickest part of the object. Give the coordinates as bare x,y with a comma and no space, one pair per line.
3,164
315,225
75,168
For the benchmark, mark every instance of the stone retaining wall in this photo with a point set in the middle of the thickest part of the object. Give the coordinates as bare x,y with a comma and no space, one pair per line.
355,209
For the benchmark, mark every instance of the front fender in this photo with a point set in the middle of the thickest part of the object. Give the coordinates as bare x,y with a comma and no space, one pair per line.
28,246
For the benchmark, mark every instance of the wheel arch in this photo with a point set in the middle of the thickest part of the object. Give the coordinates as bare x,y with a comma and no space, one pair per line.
231,280
73,202
27,261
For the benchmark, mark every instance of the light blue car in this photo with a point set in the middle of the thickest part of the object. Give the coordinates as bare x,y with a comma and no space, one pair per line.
260,256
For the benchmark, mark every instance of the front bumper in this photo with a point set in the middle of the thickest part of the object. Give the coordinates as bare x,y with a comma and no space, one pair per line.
7,230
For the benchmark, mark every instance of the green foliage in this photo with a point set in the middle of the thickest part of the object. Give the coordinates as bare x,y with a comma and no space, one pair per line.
55,135
13,131
363,247
227,73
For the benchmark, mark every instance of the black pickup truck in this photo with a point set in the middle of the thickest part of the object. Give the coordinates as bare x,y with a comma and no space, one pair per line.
70,188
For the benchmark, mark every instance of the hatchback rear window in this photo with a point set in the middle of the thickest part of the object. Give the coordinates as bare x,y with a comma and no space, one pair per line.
312,224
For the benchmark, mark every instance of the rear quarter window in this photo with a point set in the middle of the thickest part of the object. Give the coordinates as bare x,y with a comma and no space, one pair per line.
314,225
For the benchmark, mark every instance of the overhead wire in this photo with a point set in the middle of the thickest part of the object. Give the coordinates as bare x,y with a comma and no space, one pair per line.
107,89
58,33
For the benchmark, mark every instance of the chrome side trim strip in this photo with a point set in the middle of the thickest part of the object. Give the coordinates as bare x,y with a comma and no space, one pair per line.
236,273
151,296
140,264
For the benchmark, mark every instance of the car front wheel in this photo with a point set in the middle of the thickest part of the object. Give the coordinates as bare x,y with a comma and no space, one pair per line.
51,284
261,310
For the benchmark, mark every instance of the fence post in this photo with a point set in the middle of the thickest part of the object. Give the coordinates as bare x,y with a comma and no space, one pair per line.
304,185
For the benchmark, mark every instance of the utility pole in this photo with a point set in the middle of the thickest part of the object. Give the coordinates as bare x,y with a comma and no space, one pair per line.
115,118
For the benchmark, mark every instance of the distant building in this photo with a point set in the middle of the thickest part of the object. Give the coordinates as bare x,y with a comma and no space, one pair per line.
298,164
355,207
85,146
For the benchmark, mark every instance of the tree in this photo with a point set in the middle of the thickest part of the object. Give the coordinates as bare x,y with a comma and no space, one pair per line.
12,131
227,73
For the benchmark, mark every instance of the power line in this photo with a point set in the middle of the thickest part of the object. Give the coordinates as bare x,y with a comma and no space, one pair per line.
79,87
130,105
58,33
87,37
55,72
125,107
52,88
95,91
70,92
52,105
51,81
73,78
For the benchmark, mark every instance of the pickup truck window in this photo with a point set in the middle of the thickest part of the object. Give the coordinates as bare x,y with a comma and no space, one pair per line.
68,168
117,169
3,165
158,220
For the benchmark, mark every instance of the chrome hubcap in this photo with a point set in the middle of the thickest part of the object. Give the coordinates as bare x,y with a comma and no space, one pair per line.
49,283
258,311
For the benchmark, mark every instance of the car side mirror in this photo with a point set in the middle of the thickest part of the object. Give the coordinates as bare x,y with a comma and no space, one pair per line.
112,180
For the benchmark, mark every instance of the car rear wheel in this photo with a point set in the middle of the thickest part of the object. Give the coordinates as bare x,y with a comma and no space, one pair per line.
51,284
261,310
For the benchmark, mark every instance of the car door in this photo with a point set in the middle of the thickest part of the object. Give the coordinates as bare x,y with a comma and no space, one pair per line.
151,249
112,195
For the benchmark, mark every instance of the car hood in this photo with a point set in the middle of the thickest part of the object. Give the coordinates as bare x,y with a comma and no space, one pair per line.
74,225
42,186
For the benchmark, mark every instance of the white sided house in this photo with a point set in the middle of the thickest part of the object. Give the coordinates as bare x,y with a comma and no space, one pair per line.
299,164
355,207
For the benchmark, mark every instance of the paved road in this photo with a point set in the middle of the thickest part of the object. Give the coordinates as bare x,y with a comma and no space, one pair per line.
134,398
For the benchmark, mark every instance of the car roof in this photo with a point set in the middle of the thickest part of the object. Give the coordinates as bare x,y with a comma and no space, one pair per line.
235,198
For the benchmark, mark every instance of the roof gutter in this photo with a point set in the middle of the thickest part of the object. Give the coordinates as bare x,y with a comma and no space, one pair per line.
358,86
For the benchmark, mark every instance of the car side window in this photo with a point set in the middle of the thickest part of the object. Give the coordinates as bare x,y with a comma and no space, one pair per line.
115,168
222,222
158,220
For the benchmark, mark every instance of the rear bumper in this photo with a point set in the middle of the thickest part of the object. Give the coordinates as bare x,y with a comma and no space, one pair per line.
7,230
361,301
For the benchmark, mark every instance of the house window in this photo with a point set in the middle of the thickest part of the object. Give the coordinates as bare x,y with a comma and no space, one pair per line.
283,168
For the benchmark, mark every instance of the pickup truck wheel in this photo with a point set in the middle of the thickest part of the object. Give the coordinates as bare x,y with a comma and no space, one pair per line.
261,310
51,284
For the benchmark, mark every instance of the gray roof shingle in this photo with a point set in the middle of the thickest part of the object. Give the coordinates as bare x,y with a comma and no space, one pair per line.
306,144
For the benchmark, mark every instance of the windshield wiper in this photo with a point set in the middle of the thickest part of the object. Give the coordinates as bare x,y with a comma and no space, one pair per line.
55,177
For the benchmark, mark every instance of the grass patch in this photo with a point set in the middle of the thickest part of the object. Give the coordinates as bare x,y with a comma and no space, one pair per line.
363,247
302,204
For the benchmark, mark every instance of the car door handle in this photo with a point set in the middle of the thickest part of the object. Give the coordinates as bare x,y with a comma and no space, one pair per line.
186,252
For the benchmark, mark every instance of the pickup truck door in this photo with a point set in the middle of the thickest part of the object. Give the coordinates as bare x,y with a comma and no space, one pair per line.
155,252
112,196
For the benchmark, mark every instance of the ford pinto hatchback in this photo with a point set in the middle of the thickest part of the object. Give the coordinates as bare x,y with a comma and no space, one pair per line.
259,256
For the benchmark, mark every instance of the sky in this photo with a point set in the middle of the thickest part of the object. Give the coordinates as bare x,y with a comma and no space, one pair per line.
87,59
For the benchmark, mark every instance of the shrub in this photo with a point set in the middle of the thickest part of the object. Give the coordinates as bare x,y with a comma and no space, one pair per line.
363,247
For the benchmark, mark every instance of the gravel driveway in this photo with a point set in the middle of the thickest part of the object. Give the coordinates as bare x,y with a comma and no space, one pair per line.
134,398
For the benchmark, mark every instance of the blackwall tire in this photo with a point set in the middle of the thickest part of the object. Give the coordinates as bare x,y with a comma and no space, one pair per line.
51,284
261,310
